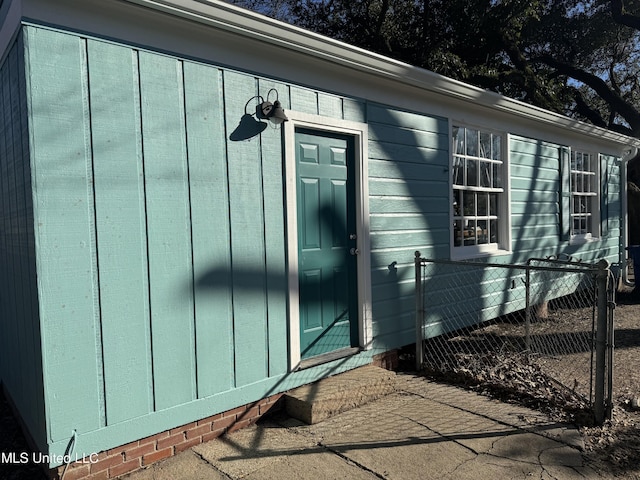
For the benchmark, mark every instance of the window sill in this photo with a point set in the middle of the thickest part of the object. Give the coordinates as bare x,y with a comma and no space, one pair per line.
474,253
582,239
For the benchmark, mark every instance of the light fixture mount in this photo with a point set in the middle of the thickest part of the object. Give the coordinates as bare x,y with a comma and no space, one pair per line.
272,111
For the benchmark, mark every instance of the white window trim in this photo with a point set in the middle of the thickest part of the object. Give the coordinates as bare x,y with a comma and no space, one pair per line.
360,133
504,209
596,234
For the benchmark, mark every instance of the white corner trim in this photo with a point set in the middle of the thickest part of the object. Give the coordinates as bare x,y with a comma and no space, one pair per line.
507,224
360,133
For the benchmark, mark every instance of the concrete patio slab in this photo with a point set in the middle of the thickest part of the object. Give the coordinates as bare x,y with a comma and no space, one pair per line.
423,430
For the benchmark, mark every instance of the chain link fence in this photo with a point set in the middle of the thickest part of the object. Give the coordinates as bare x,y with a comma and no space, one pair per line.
541,330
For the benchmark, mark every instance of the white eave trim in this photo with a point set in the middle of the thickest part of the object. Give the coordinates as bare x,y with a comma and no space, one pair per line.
249,24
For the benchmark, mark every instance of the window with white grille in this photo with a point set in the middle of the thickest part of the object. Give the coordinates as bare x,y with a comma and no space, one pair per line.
585,198
478,179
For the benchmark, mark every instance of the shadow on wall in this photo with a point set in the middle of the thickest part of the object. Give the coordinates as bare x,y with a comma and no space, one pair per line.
400,146
258,282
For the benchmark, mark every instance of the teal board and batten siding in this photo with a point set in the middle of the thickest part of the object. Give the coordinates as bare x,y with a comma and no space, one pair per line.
161,262
20,357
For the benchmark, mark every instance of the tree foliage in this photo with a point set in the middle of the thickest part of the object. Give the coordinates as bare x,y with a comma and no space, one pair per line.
576,57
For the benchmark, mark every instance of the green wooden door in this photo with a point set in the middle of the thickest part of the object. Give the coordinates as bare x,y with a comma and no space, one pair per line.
326,242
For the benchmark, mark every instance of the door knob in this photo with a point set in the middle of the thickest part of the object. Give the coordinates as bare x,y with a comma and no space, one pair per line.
354,251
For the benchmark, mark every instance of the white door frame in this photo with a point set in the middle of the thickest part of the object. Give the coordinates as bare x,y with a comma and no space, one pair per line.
360,133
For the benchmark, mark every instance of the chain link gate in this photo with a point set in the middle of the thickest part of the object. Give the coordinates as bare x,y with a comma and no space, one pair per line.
542,330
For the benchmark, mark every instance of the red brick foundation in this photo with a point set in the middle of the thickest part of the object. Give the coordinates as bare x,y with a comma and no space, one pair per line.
135,455
387,360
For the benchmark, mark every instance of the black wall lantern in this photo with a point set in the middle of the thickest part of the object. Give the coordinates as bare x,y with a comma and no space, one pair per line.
271,111
250,127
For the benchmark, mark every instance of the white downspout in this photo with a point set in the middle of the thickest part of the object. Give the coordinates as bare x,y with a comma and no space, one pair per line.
625,215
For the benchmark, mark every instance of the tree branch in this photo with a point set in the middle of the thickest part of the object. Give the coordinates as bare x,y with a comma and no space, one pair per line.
583,109
615,101
622,17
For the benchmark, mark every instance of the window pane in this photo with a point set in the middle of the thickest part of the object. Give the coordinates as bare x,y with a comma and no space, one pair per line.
469,204
457,233
470,233
458,171
472,173
485,145
483,204
493,204
485,174
584,204
581,225
497,175
457,203
576,225
588,183
482,232
472,142
497,147
494,236
458,140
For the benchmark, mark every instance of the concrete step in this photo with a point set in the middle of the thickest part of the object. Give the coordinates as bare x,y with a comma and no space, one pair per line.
320,400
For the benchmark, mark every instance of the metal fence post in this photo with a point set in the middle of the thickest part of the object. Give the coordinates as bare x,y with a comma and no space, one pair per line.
602,277
610,348
527,321
419,312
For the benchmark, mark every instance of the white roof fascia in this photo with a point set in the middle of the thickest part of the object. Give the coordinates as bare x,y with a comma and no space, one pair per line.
247,23
375,76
